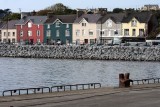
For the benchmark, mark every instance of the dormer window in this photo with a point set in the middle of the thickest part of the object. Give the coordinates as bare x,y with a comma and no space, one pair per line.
134,23
83,24
57,24
29,24
109,23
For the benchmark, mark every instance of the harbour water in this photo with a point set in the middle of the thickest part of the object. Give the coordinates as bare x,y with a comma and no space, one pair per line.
27,72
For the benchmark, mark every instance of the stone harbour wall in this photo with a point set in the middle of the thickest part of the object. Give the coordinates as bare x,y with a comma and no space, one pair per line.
128,53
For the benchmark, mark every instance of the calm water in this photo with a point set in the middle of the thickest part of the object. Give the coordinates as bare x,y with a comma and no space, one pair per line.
25,73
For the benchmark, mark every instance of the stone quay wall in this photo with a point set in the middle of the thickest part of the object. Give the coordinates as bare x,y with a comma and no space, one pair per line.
128,53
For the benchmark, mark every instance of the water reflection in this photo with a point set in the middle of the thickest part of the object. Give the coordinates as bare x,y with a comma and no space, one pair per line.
25,73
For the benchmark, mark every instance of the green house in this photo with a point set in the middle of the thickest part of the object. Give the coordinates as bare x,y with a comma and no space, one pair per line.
58,29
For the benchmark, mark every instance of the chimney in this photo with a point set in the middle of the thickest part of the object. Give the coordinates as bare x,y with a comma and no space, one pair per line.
79,13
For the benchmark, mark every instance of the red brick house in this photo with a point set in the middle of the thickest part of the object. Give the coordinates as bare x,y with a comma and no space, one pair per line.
30,29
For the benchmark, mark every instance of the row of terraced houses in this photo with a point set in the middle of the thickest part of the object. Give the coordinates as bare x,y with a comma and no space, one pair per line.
78,29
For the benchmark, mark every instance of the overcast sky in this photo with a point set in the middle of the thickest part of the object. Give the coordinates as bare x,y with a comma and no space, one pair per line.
30,5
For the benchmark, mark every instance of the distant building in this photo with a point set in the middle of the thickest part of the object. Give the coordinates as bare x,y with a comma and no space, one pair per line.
150,7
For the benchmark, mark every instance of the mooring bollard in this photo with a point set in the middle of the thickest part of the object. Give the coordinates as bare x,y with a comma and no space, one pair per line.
124,80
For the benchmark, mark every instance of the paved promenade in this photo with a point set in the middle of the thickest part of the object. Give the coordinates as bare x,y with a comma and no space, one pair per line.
135,96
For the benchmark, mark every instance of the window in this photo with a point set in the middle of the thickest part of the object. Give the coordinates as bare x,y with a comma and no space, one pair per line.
57,24
4,40
92,41
37,26
48,26
133,32
21,26
29,24
77,32
13,33
126,32
4,33
116,32
83,32
48,33
67,32
13,40
29,33
90,32
67,25
0,32
134,23
77,41
8,33
83,24
38,41
38,32
141,32
57,33
109,23
21,33
101,33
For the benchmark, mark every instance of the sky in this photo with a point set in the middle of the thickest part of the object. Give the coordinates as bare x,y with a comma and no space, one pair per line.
30,5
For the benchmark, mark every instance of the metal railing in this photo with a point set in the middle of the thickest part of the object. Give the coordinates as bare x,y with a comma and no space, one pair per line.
76,87
148,81
27,90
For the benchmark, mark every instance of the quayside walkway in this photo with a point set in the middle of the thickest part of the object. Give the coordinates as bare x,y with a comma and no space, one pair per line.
144,95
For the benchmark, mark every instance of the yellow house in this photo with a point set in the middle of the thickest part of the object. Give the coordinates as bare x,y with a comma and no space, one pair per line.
137,24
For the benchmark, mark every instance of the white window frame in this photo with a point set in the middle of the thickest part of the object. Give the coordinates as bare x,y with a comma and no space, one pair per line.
21,33
83,32
38,32
48,33
29,24
91,33
29,33
67,25
77,32
67,32
48,26
57,24
57,33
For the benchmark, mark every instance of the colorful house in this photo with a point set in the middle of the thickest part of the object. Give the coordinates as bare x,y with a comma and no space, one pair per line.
30,29
138,24
9,32
58,29
85,29
110,27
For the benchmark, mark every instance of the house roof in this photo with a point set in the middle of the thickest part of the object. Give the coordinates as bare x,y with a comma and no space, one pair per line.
116,17
2,24
11,24
62,18
142,17
90,18
34,19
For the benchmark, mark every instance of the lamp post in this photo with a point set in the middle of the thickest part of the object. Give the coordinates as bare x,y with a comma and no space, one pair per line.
101,33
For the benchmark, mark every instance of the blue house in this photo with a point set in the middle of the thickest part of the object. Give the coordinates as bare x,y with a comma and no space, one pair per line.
58,29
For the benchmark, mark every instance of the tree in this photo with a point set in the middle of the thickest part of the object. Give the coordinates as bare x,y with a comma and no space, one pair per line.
117,10
58,9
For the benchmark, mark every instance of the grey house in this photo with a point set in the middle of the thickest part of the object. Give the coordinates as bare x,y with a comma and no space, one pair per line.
110,26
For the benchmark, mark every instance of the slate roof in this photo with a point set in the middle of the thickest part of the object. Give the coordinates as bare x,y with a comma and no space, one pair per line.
2,24
142,17
34,19
11,24
62,18
90,18
116,17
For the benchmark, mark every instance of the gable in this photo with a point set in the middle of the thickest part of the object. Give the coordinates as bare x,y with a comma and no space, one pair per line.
83,21
57,20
